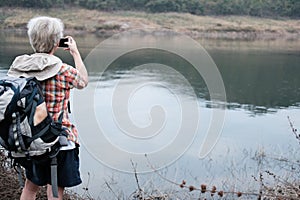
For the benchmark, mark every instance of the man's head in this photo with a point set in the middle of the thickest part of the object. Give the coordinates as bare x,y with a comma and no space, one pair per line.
44,33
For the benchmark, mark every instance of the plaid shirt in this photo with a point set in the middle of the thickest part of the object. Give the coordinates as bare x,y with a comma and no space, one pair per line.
57,93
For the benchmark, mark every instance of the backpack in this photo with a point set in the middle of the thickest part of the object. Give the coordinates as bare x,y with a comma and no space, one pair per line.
27,131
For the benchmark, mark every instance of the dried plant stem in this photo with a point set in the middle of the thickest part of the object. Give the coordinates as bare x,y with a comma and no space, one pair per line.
135,175
203,187
294,130
112,191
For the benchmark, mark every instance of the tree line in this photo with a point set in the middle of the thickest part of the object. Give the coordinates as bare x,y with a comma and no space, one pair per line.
260,8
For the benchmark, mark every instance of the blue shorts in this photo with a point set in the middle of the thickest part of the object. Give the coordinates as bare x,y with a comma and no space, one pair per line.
68,174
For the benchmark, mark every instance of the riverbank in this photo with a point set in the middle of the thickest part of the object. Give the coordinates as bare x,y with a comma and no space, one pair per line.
81,21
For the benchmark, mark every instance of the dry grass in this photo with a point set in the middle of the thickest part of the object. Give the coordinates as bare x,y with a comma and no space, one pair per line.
93,21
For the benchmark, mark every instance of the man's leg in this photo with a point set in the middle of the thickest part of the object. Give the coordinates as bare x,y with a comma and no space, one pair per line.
29,191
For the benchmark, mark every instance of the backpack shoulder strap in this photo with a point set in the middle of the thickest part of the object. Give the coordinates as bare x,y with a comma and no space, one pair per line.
54,177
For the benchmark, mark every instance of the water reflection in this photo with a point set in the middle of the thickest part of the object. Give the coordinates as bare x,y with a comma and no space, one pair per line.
258,82
127,67
262,80
260,77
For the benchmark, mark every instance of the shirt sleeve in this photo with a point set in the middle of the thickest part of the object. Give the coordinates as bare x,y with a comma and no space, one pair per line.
72,76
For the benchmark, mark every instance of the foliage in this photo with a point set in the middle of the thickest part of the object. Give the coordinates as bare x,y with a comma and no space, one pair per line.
163,6
260,8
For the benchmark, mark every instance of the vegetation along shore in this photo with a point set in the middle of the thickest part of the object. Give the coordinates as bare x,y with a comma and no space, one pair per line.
81,20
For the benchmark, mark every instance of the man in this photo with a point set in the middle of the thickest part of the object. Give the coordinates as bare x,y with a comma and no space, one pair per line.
57,79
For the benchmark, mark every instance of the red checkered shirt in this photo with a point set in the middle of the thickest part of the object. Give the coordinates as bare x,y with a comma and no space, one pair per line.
57,94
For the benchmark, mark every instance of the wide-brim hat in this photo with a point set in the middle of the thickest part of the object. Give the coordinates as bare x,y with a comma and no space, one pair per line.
39,65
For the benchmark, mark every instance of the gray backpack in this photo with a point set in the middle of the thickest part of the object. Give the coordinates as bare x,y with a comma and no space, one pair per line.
27,131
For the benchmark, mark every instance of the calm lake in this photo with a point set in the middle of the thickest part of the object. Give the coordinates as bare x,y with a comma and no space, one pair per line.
147,96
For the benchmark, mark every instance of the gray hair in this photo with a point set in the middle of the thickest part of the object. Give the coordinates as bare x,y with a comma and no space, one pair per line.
44,33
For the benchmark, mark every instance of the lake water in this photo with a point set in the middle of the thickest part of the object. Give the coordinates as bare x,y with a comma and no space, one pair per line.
163,96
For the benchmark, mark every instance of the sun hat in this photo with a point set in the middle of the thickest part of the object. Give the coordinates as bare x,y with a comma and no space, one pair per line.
39,65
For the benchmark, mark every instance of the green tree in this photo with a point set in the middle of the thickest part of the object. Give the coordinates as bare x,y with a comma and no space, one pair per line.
257,8
294,8
131,4
262,8
193,6
163,6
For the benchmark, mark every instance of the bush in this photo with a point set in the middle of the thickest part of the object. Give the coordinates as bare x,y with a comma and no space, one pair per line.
265,8
163,6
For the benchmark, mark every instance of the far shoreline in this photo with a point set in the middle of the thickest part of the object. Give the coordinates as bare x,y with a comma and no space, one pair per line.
222,35
104,24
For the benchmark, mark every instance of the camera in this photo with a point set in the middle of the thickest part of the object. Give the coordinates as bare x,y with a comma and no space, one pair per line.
62,42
